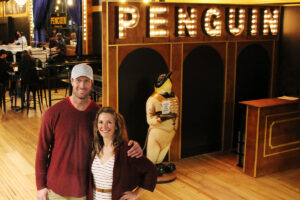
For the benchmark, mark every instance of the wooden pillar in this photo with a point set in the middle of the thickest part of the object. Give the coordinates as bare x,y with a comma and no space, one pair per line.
87,27
176,68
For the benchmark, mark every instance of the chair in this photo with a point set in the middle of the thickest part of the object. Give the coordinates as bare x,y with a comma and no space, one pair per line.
18,56
10,56
2,97
34,88
42,80
30,83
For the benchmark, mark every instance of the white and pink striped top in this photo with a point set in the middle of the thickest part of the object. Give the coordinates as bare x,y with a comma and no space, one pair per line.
103,177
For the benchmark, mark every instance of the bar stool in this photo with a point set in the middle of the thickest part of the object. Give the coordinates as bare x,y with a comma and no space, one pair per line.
30,83
33,87
2,97
42,80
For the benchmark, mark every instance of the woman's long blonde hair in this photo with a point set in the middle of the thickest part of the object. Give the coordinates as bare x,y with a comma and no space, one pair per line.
120,134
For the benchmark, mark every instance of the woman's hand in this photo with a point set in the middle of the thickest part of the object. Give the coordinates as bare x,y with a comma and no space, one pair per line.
130,196
135,151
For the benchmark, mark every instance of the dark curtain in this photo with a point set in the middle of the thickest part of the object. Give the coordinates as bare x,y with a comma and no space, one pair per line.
41,11
75,11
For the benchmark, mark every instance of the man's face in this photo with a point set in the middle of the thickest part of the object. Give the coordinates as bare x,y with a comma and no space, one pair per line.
82,87
19,34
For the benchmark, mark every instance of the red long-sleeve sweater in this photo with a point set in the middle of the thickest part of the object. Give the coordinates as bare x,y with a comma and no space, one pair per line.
64,149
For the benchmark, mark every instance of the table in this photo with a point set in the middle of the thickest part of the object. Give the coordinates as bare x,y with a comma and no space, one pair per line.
36,52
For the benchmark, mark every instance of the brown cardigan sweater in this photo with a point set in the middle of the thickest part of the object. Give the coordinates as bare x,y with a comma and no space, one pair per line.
128,173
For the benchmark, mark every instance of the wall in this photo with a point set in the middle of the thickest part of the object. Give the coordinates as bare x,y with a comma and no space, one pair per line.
174,50
288,73
19,21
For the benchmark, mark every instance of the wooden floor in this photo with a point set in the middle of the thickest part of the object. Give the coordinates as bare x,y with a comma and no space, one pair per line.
211,176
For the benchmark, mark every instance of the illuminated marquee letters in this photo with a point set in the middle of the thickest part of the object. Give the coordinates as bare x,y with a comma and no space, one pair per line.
158,25
236,21
212,25
270,22
128,18
187,23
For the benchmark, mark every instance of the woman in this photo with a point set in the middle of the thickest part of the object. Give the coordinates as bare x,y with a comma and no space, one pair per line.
114,175
27,68
21,39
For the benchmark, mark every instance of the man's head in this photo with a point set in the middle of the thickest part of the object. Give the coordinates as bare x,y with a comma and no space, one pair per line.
82,79
3,54
59,36
19,34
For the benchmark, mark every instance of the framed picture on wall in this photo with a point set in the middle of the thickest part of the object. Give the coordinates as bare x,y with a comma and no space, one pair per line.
11,8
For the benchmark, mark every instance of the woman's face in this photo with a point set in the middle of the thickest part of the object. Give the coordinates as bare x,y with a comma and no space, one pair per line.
106,125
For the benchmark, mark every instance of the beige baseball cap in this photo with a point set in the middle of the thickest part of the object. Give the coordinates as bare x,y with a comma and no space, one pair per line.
82,70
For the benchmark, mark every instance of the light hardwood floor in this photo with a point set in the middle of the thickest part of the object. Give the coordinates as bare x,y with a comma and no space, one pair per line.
204,177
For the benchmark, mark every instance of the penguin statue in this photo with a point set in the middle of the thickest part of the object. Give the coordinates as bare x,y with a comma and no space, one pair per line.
162,118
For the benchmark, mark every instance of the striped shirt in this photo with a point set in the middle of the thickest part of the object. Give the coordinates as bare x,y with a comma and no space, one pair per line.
103,177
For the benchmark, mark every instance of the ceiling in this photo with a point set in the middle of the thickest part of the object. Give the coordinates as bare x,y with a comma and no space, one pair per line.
240,2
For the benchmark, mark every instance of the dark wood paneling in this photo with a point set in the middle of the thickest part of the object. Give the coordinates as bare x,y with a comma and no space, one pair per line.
289,72
250,143
229,93
113,78
97,32
105,54
176,49
7,34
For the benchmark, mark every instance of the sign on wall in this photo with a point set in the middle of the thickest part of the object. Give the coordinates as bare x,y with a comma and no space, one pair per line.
140,22
58,20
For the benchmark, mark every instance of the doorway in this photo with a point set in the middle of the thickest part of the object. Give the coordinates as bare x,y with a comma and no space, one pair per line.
202,101
137,75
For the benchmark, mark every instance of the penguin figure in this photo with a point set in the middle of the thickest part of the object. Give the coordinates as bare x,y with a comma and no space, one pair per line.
162,117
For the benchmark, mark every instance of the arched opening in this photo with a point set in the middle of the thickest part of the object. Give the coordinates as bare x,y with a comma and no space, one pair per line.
253,75
137,74
202,106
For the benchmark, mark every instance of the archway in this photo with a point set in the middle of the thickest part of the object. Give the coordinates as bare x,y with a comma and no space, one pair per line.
253,75
137,74
202,106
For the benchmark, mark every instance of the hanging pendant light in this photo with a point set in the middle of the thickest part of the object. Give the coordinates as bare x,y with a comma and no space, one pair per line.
70,2
21,3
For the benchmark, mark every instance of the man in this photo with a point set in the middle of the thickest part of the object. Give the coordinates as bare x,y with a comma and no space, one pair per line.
64,145
52,39
4,68
57,57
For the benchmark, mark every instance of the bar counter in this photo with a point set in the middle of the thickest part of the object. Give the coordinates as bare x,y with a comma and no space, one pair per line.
272,140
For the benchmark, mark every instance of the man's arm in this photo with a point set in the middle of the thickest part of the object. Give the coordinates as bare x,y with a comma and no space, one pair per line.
136,150
42,156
